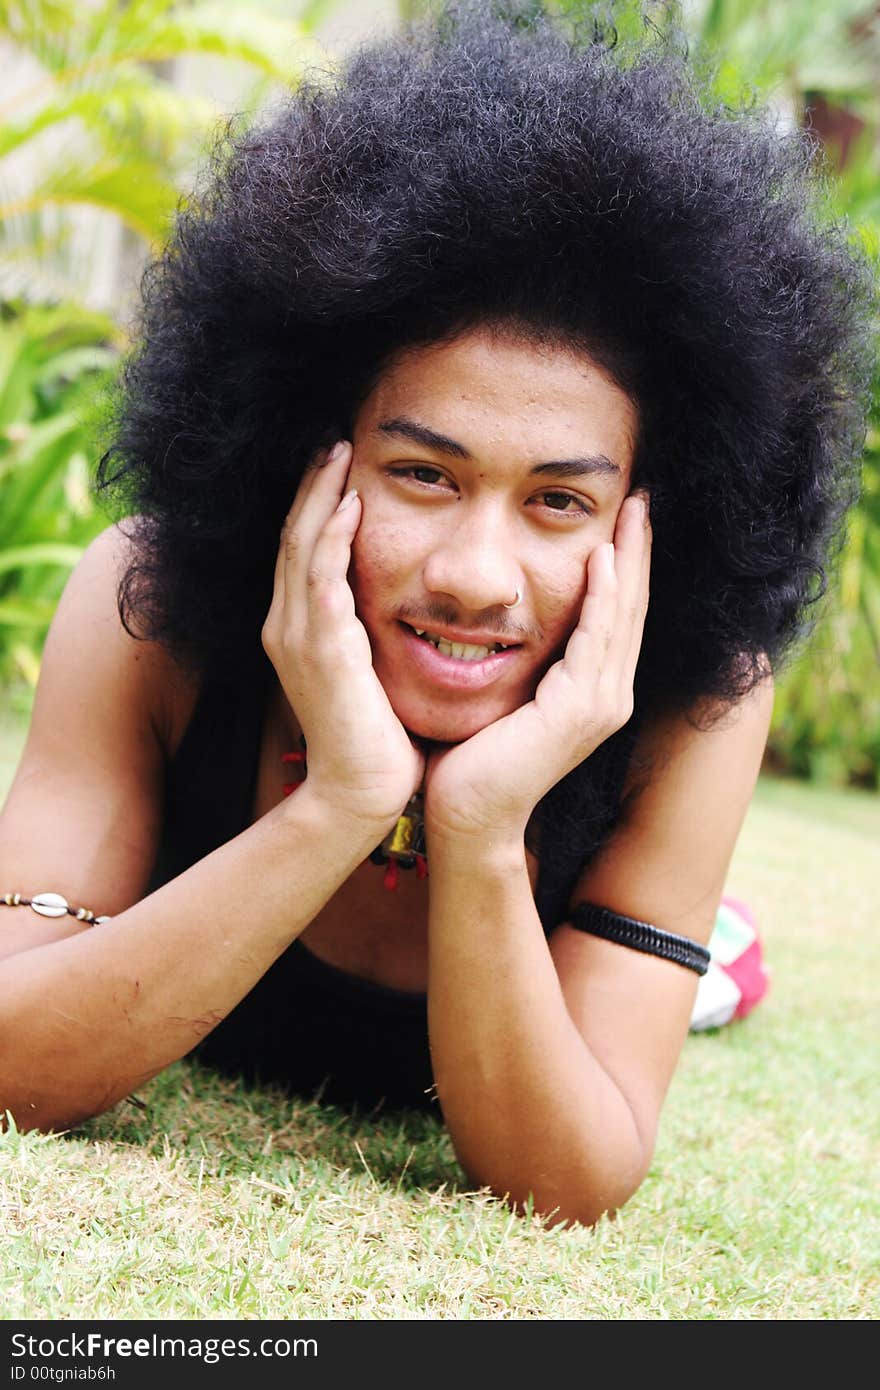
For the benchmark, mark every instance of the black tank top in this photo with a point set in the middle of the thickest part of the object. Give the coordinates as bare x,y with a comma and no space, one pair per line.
306,1025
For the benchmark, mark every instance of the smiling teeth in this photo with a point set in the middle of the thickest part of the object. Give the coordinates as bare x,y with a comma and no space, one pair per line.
464,651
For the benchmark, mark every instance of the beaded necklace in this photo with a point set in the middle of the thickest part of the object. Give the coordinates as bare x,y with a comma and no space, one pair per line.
403,846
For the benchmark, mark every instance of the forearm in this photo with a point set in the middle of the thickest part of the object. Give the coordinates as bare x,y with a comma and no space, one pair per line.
86,1020
529,1108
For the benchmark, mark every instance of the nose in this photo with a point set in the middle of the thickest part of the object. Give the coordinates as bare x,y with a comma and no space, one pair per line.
473,561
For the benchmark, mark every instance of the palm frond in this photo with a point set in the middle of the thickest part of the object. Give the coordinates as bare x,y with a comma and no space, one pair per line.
133,191
45,28
39,553
279,47
26,612
96,131
128,104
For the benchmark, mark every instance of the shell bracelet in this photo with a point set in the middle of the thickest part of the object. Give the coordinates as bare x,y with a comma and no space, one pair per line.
52,905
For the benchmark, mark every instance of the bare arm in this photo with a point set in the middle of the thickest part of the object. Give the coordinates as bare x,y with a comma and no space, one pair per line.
87,1014
552,1064
86,1020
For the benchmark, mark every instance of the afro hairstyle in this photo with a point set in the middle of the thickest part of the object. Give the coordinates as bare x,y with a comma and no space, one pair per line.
498,164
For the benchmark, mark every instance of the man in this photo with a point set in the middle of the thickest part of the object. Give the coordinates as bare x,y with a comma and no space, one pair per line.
548,308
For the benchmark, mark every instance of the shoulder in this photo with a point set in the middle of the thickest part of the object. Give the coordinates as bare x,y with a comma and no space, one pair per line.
84,810
683,749
148,672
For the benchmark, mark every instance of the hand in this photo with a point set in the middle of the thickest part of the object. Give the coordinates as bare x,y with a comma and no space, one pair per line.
490,784
360,758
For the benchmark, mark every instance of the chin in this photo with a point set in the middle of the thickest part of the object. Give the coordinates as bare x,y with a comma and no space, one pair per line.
442,731
444,726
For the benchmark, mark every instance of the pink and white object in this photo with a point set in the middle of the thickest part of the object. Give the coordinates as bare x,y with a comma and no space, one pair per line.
737,978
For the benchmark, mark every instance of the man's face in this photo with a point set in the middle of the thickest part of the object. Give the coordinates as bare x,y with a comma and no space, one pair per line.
485,467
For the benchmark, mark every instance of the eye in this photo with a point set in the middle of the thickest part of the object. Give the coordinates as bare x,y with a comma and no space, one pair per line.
421,473
565,503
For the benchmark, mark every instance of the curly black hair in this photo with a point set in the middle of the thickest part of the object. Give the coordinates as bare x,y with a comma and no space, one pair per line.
493,165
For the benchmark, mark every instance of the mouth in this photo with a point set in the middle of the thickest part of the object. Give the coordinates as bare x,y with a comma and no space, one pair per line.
460,650
447,662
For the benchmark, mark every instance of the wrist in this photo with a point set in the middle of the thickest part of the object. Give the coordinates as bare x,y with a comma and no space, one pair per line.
340,831
499,850
455,819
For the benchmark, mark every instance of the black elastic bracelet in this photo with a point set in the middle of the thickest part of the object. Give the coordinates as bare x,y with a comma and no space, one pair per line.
641,936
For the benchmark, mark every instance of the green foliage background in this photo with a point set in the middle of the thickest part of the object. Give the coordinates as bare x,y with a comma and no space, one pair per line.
94,128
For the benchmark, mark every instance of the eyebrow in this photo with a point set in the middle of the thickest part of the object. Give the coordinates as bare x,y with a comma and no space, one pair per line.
401,427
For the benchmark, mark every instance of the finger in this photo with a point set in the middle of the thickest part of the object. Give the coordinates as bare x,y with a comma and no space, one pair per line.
335,637
587,647
313,470
632,529
322,490
329,599
631,549
299,498
640,596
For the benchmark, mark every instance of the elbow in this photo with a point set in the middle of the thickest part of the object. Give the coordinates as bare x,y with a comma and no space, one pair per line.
569,1168
49,1114
580,1199
588,1209
584,1208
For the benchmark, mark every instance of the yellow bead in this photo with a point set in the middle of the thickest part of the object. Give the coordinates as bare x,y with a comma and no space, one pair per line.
401,838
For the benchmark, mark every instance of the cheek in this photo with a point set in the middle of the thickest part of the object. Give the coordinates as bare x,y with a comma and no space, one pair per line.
383,557
561,595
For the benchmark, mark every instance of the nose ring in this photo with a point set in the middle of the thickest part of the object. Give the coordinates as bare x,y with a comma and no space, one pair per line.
516,601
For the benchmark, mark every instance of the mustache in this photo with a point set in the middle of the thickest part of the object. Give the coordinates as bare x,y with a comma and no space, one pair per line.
429,616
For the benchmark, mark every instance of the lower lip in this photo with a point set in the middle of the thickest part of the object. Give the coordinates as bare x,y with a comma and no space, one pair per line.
453,673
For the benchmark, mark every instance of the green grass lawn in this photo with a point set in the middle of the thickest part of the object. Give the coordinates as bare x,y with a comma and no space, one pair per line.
217,1201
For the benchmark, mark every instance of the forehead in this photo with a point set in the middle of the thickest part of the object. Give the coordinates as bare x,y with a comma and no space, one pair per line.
489,390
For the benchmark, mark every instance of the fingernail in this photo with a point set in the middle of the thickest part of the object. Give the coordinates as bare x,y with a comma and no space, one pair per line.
337,451
347,499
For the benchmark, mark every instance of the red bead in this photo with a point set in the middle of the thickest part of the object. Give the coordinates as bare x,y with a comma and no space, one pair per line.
293,757
421,866
390,879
